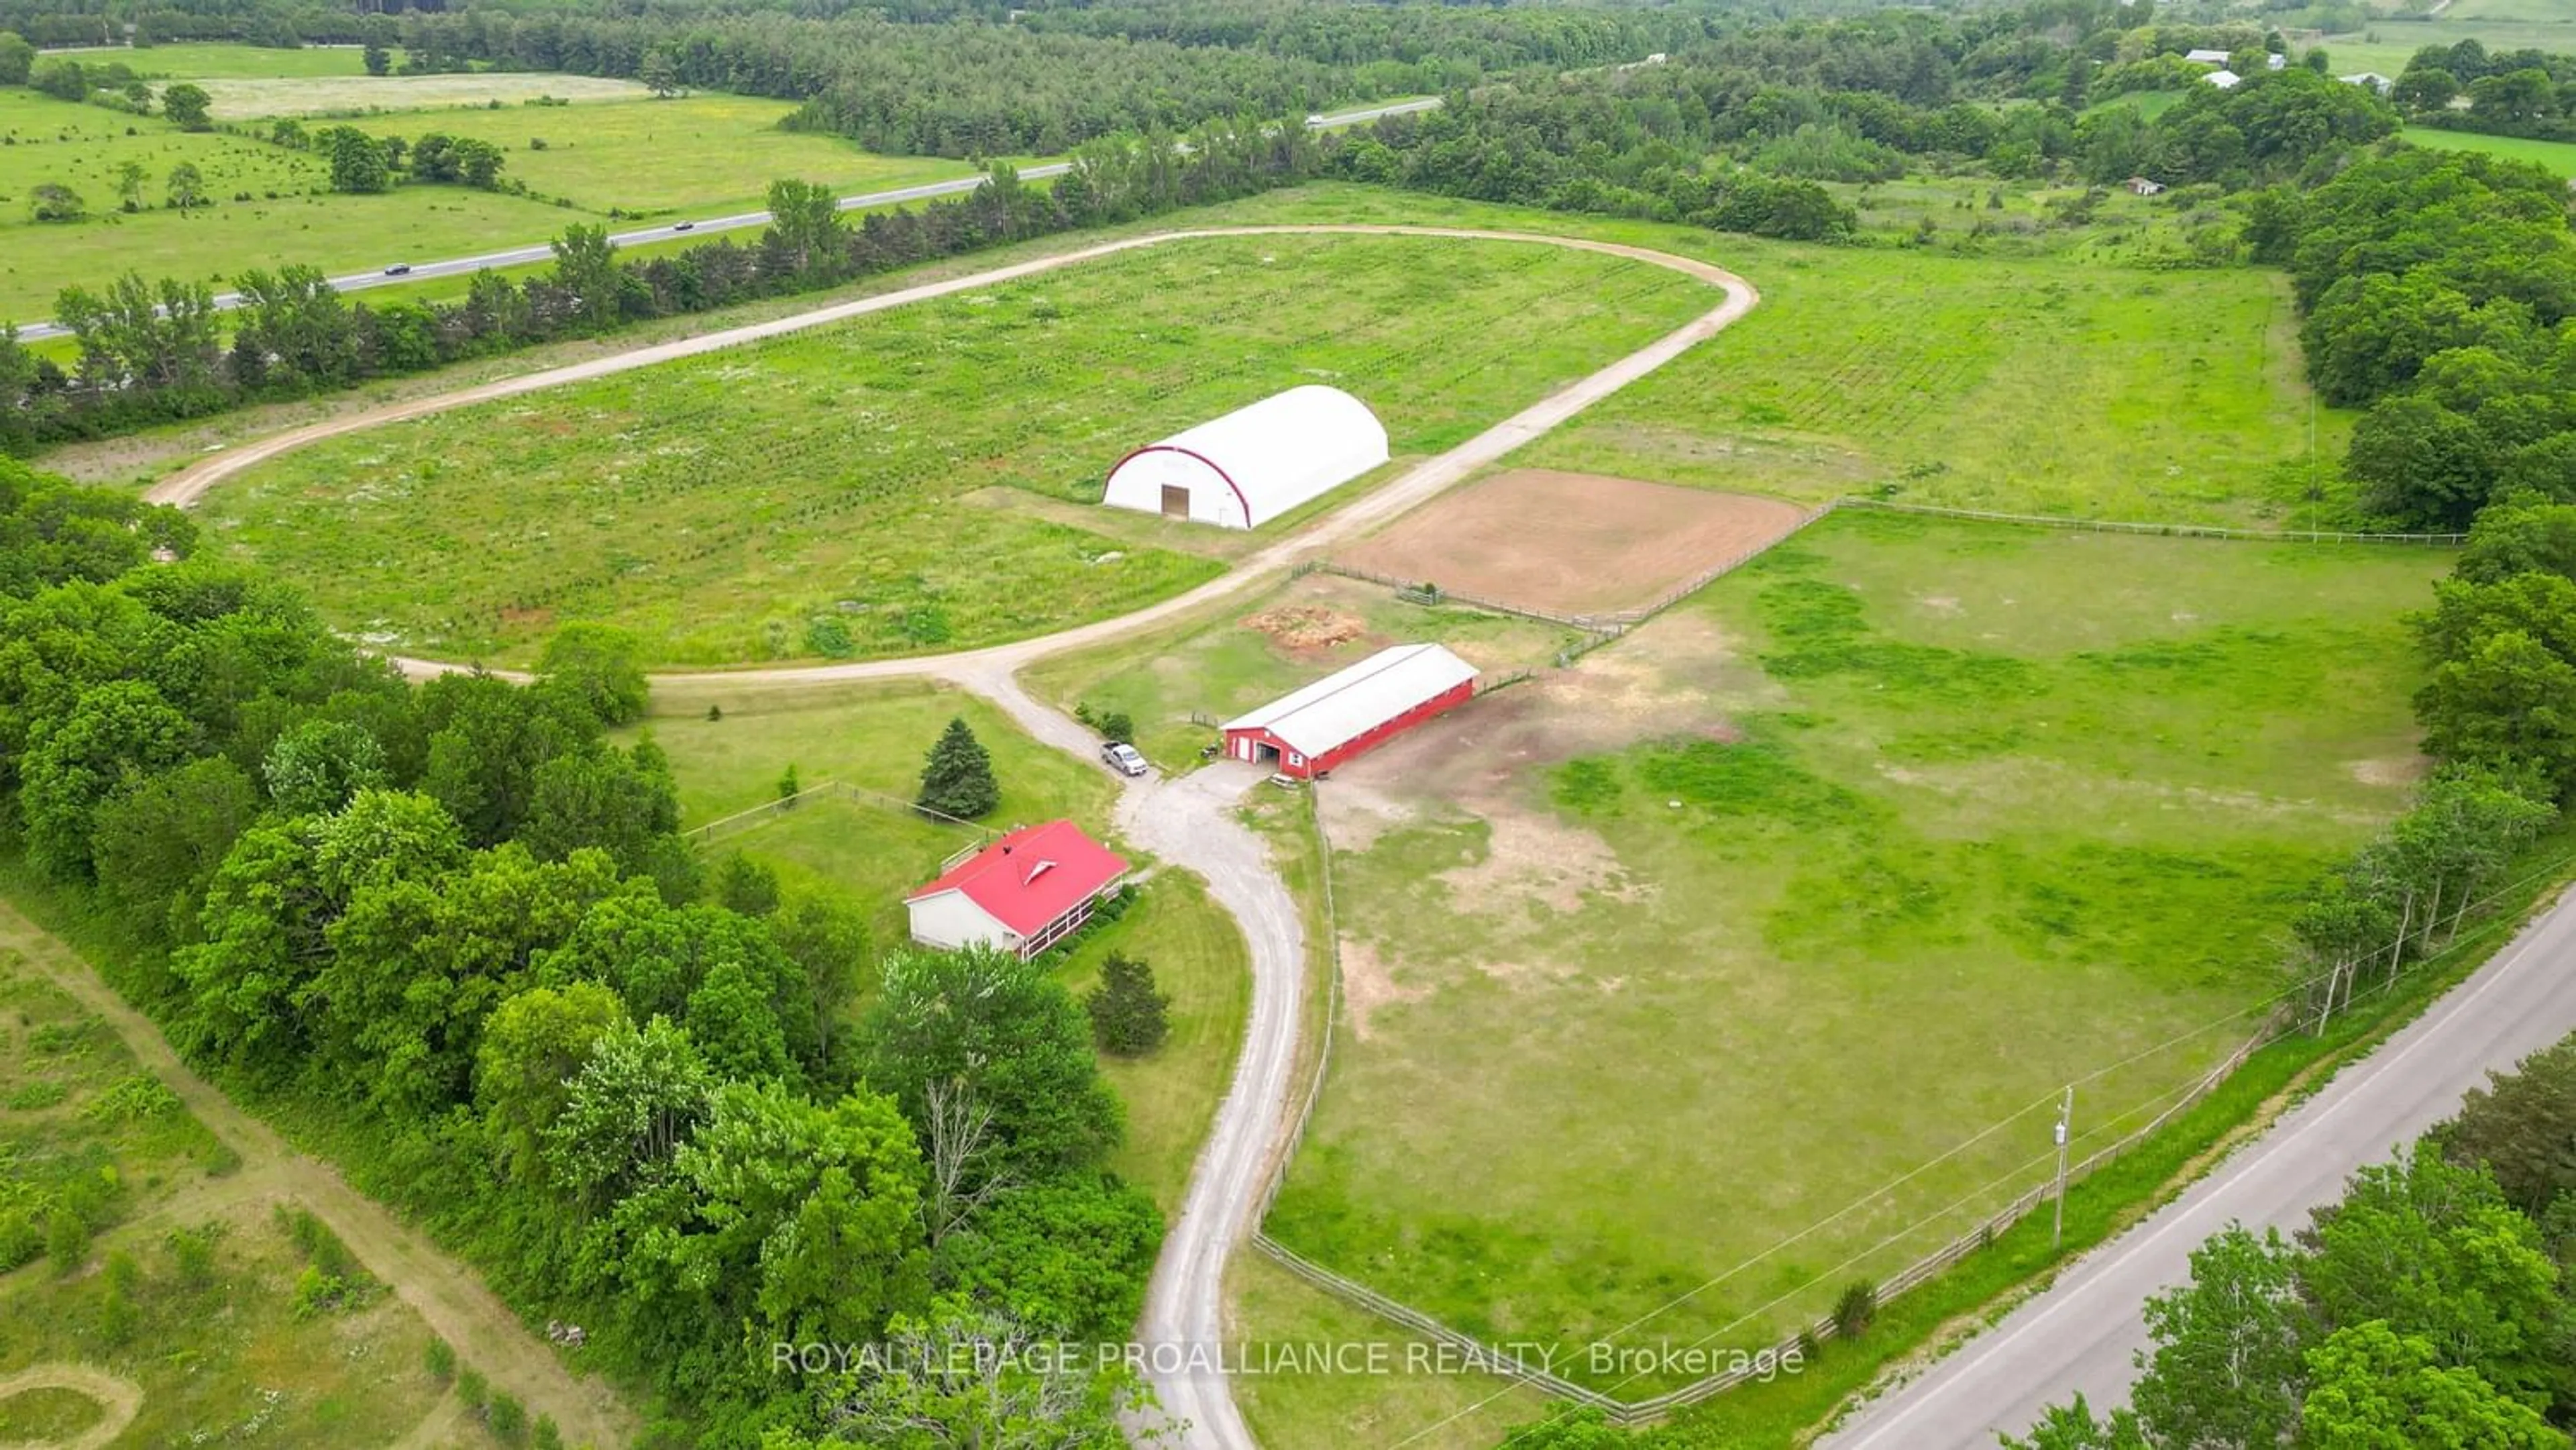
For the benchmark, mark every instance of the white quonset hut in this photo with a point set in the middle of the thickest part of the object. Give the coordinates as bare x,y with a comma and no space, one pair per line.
1254,464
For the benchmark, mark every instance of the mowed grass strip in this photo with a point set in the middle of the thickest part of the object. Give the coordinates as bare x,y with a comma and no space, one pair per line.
2036,385
801,498
1913,823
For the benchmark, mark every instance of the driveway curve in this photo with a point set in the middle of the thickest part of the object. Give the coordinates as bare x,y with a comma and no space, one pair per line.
1189,820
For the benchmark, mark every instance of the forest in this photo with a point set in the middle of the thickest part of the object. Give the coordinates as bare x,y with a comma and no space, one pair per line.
452,926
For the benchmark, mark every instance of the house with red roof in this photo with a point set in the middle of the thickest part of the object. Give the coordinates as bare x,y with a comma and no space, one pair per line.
1023,893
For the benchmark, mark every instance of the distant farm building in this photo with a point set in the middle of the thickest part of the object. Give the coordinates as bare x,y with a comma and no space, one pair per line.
1022,894
2206,57
2372,79
2225,80
1352,710
1254,464
2144,187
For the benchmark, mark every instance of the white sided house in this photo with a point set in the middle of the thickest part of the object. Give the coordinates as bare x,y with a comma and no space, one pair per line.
1023,893
1255,463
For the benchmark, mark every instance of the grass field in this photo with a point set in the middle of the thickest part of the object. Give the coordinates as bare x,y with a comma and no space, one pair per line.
268,206
915,480
209,61
1868,848
643,156
2509,25
2036,385
2558,156
254,97
222,1357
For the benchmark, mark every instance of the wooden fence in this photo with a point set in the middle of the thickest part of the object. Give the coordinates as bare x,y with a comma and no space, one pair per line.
762,814
2186,531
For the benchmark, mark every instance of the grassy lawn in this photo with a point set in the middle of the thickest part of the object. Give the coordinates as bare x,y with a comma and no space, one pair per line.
223,1358
1869,847
645,156
917,480
1250,650
2558,156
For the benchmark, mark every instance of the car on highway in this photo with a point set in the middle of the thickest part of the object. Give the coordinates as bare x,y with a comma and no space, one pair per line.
398,269
683,226
1122,757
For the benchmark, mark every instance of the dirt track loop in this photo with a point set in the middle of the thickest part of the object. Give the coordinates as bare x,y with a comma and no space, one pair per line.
119,1399
1188,821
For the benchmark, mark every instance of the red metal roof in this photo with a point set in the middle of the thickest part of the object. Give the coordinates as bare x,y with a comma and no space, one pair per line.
1032,876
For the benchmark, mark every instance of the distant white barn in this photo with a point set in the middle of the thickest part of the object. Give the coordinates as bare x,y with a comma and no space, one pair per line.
2225,80
1255,463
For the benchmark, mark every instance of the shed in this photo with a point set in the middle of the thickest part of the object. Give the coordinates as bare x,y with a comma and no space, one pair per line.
2372,79
2225,80
1022,893
1242,470
2206,57
1352,710
2143,186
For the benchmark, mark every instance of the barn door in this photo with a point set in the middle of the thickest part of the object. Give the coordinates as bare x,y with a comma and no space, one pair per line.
1176,501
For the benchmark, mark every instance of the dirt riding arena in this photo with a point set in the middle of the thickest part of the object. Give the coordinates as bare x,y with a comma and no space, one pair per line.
1570,543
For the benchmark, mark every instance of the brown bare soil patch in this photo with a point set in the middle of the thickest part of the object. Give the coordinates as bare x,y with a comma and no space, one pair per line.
1306,626
1571,543
2399,770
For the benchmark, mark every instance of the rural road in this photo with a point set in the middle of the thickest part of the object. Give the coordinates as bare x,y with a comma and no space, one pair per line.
1188,821
2078,1336
450,1297
672,231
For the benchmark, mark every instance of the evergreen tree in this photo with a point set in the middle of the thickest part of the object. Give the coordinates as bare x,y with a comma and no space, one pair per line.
957,780
1128,1017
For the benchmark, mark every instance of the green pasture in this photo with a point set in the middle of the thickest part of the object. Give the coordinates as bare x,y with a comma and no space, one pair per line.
2049,381
214,60
710,151
1232,658
2558,156
2498,25
1866,850
363,96
266,207
859,490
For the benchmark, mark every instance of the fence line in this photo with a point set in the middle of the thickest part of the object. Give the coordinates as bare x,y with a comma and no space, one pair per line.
741,821
2285,1015
1296,1138
1590,623
2117,526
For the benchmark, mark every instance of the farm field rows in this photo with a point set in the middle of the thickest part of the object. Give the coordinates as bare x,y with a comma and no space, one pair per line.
1652,964
246,98
799,498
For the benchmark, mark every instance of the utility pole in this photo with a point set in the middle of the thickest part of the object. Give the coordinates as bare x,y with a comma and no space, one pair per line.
2065,1116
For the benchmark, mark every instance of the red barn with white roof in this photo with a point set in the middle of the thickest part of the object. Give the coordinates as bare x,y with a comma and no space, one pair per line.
1310,731
1023,893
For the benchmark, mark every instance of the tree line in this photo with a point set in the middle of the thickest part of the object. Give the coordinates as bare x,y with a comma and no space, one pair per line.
453,928
2429,1305
2464,87
153,351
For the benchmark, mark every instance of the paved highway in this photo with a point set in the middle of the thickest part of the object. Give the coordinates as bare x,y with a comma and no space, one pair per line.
2080,1335
667,231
